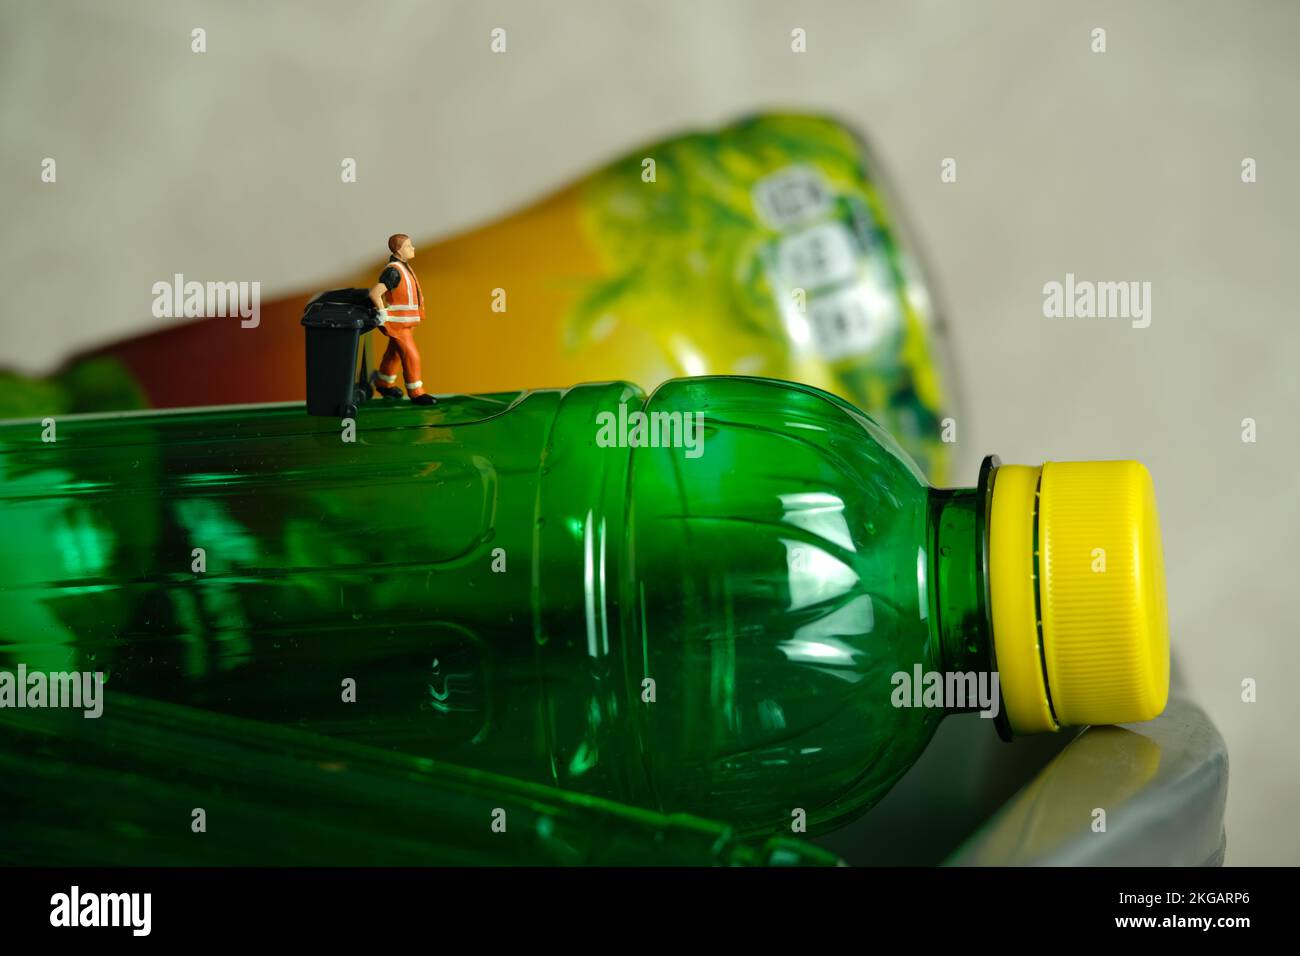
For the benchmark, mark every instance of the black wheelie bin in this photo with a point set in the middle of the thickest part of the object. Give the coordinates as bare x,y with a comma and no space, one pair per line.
335,322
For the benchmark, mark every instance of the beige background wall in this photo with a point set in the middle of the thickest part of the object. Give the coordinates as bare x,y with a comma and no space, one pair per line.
1124,165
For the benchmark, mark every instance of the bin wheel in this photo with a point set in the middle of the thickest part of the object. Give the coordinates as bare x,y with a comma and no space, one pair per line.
349,411
361,394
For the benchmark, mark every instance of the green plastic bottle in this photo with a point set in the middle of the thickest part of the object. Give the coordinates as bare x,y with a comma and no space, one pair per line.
121,790
733,606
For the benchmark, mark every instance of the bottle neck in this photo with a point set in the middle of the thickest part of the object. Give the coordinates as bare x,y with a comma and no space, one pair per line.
960,618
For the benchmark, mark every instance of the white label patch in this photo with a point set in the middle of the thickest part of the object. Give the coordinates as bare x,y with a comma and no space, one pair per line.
791,196
820,256
851,320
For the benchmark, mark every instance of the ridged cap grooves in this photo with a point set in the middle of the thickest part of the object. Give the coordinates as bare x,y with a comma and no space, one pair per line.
1102,593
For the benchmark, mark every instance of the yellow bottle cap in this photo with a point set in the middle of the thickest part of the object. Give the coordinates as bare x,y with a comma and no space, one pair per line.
1077,588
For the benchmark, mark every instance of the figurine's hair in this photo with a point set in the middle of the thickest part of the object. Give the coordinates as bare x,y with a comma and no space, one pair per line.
395,241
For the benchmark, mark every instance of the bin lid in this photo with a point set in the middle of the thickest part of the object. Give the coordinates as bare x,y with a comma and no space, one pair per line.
327,318
339,309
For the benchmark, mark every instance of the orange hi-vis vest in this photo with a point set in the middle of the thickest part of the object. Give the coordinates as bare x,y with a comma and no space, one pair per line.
405,300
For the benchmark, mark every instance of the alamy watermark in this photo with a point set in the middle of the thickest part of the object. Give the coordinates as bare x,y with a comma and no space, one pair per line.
196,300
76,690
130,910
636,429
1085,299
960,690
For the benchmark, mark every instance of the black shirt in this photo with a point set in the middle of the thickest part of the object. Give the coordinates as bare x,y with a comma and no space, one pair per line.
390,277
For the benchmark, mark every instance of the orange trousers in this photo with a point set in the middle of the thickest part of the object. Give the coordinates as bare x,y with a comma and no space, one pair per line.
401,352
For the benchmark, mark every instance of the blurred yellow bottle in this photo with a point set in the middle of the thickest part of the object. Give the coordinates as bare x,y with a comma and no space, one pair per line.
765,248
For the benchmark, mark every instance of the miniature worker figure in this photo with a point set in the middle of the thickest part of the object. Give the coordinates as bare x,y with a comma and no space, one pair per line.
397,320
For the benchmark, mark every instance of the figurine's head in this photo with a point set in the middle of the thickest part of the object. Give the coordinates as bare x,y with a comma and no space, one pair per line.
399,245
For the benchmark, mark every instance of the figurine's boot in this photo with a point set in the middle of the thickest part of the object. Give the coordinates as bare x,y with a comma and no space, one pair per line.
418,395
385,385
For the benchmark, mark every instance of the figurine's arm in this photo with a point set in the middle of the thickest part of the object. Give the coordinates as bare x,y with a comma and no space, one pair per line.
377,297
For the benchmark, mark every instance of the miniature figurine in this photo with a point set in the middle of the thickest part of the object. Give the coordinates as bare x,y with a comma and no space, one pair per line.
397,320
